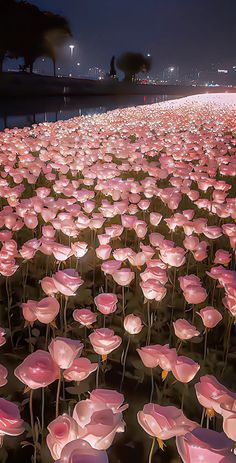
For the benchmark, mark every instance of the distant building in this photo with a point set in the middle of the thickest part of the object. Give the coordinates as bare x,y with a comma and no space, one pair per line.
218,74
96,73
171,75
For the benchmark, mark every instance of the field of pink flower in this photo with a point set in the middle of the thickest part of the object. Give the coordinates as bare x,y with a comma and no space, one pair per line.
118,286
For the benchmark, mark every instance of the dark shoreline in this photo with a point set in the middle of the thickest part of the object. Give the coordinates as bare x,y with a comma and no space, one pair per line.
34,85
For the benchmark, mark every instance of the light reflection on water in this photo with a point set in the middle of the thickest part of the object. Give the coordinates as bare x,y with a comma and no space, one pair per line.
22,113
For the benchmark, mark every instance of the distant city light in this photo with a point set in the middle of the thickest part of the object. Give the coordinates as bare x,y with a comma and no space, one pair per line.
223,71
172,69
78,64
148,55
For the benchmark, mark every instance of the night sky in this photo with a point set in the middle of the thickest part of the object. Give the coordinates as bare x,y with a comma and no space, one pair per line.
180,32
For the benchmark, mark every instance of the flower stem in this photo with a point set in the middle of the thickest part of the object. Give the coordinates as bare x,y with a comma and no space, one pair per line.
65,319
32,424
58,395
205,345
152,385
152,450
124,363
42,413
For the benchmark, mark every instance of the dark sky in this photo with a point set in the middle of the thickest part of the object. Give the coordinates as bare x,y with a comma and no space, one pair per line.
182,32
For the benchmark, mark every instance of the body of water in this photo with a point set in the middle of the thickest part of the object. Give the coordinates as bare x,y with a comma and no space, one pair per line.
22,113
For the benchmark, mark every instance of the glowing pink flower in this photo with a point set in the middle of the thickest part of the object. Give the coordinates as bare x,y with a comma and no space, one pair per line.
106,303
184,330
204,445
210,316
64,351
11,423
132,324
37,370
62,430
184,369
104,341
81,451
84,316
164,422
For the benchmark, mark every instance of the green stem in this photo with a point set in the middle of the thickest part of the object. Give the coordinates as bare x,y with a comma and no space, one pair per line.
152,450
124,363
152,385
65,318
32,425
42,413
58,396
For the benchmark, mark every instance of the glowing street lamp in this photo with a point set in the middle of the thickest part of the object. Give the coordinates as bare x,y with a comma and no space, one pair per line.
71,47
148,55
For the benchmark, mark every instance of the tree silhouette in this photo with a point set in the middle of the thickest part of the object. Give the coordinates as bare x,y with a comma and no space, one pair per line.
112,68
132,63
8,29
28,32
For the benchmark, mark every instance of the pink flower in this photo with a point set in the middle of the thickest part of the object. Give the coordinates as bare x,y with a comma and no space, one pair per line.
111,398
192,289
222,257
106,303
167,358
81,451
212,232
29,308
80,369
104,341
174,257
152,289
211,394
64,351
228,411
230,299
98,423
184,330
189,280
79,249
204,445
150,355
191,242
67,281
133,324
123,277
62,430
48,286
103,251
45,310
2,339
3,376
61,252
37,370
210,316
84,316
110,266
184,369
164,422
155,218
11,423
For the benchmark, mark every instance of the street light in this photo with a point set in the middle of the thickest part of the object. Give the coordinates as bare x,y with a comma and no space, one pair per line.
71,47
78,64
148,55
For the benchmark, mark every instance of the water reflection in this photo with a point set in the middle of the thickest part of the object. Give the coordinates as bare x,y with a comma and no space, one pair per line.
21,113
